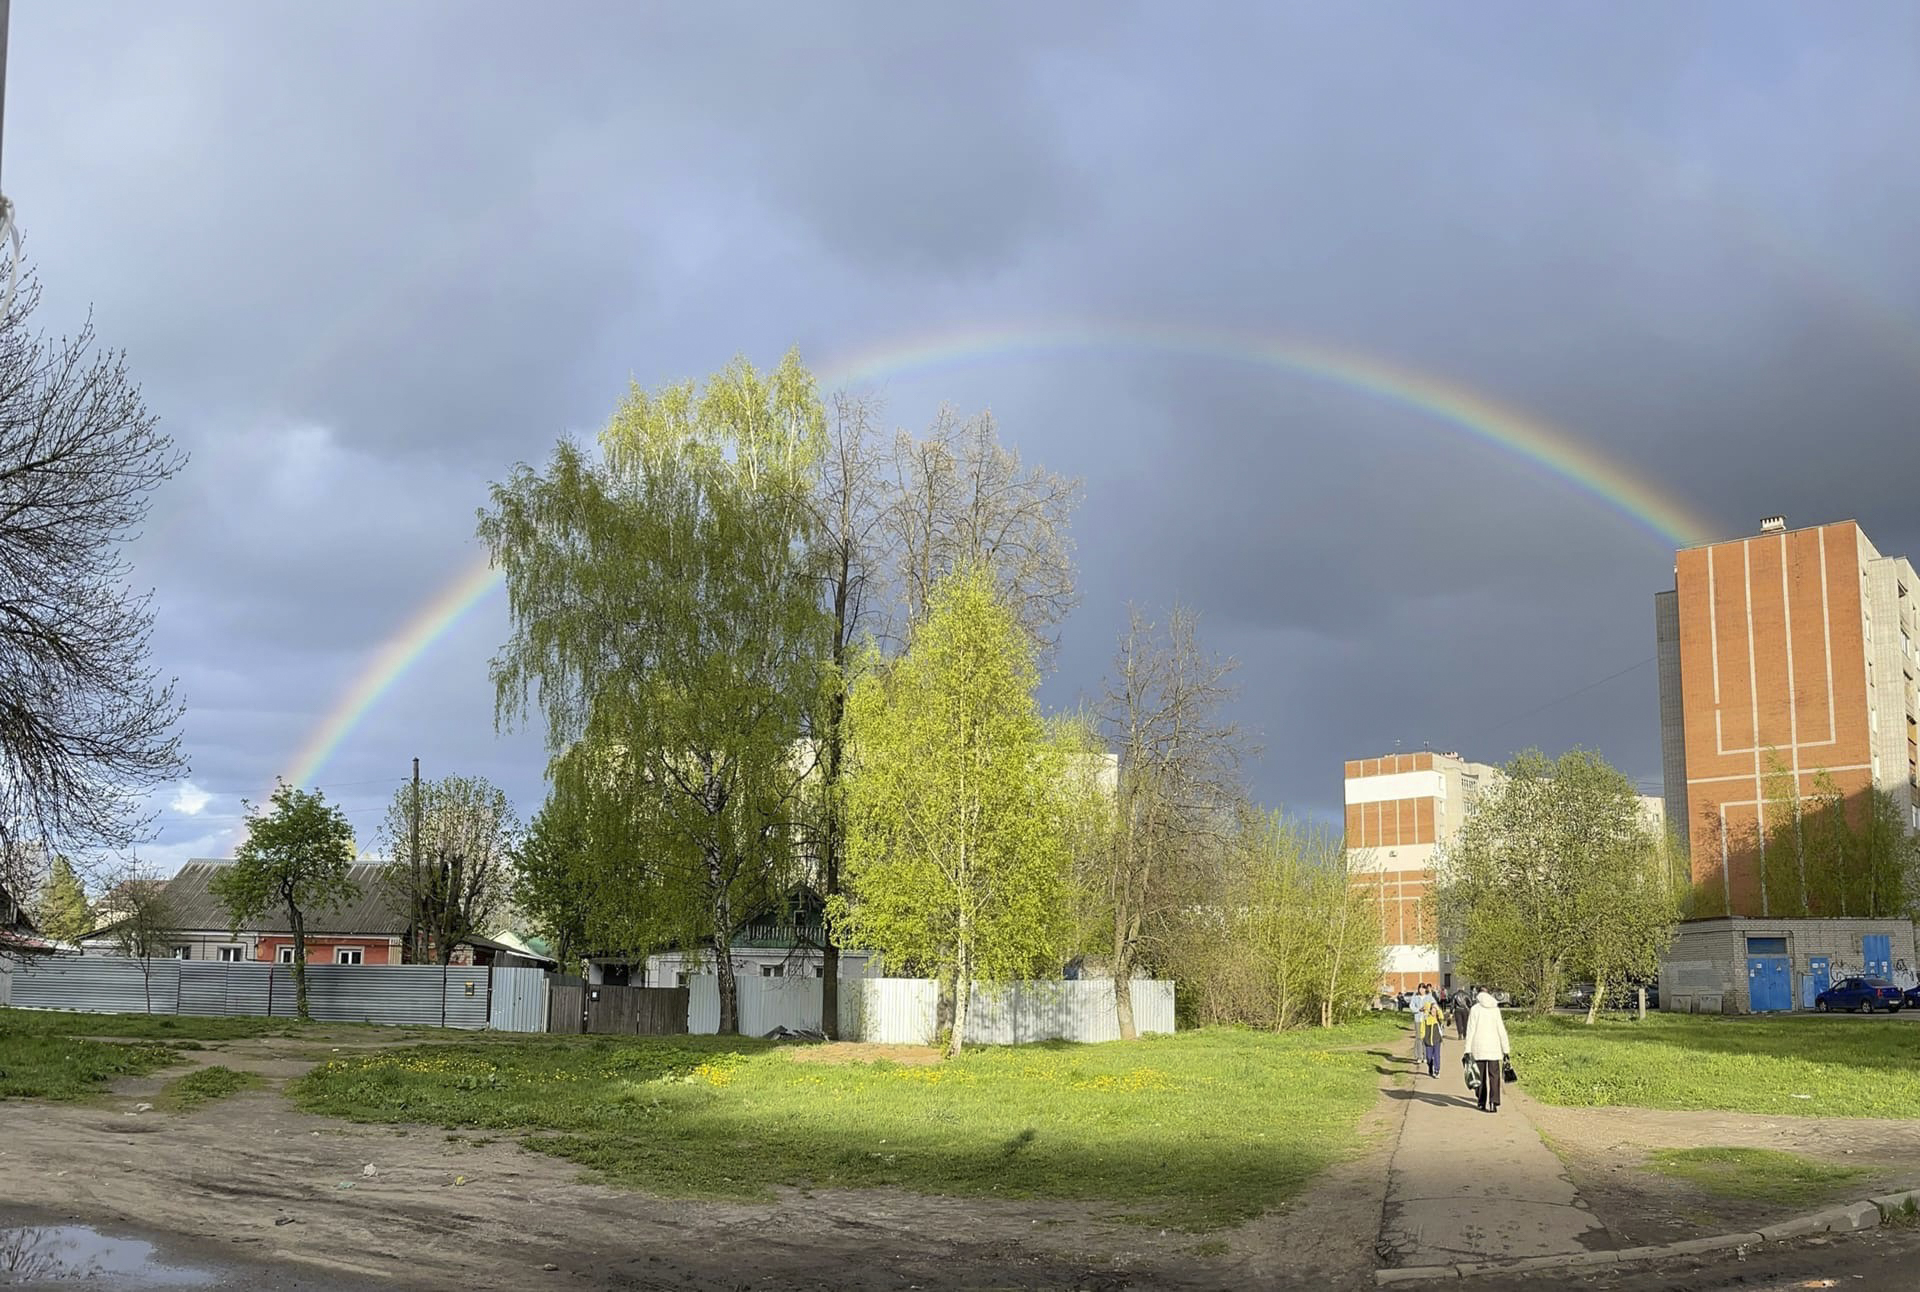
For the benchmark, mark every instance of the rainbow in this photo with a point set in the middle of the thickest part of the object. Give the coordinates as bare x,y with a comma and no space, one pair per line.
1554,452
415,638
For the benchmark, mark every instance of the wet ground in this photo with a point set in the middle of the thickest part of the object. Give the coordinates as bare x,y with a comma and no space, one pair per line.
41,1250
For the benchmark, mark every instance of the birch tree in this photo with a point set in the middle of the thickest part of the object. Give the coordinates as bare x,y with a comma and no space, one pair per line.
664,599
960,807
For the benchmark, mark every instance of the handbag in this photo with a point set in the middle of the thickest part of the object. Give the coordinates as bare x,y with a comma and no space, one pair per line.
1507,1074
1472,1071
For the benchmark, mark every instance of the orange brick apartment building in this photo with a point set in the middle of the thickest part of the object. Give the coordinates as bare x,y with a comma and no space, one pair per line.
1781,656
1400,809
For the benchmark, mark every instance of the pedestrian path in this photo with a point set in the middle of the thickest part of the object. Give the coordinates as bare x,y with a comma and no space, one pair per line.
1466,1186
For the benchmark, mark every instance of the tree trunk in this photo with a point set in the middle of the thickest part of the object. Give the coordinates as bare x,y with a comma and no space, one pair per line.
830,835
830,989
722,943
1642,1007
1599,997
1123,977
728,985
962,995
299,964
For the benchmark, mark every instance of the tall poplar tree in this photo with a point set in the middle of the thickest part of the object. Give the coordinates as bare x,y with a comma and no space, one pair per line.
960,806
666,617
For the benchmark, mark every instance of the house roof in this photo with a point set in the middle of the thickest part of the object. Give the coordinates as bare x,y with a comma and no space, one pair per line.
192,905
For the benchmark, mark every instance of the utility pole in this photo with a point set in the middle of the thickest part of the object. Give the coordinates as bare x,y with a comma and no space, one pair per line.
418,914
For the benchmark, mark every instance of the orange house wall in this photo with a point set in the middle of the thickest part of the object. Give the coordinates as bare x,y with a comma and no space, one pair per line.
374,951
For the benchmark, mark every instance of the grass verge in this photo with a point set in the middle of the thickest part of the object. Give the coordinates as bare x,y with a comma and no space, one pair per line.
1197,1130
63,1067
1805,1067
1754,1174
203,1086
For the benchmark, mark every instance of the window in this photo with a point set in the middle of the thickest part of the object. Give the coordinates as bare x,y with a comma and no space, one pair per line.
285,956
773,971
183,953
232,954
680,979
346,955
1766,946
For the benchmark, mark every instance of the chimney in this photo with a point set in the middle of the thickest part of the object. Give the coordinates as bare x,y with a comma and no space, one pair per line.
1773,524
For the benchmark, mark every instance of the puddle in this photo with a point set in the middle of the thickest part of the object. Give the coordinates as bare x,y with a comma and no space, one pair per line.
75,1253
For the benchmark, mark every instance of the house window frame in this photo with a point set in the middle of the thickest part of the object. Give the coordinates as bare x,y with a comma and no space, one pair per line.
284,955
231,954
180,953
359,955
773,971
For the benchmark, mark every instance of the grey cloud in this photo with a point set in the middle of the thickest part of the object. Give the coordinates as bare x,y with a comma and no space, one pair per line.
429,238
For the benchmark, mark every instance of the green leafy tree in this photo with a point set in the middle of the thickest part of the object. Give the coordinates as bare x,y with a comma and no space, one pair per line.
960,806
453,879
1827,852
296,858
665,601
1286,937
1557,871
554,879
64,913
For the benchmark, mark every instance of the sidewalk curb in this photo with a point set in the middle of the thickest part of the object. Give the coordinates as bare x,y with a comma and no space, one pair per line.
1869,1213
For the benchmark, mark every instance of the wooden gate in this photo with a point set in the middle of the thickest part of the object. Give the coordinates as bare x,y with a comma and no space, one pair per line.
618,1011
637,1011
566,1008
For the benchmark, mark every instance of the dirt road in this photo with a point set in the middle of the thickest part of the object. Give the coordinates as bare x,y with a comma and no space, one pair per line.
251,1184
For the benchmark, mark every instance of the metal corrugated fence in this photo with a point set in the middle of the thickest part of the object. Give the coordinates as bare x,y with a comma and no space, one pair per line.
902,1011
456,996
519,1001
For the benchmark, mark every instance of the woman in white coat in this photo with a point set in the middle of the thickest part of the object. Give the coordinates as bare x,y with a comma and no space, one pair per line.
1487,1046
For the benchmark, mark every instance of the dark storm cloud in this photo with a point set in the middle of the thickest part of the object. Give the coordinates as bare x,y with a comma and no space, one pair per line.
364,257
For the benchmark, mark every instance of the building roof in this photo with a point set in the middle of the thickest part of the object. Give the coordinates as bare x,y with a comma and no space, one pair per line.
192,905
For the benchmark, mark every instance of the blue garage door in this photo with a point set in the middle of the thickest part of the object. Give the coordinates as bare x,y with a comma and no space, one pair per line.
1876,951
1819,978
1769,987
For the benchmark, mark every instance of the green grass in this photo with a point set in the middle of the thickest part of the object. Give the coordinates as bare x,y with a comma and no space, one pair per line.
49,1022
59,1067
1802,1067
1754,1174
1197,1130
184,1094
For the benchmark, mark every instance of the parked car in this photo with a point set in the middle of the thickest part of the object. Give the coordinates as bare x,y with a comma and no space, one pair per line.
1912,996
1866,994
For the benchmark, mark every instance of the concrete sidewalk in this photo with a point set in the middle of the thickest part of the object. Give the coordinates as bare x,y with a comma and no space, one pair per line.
1466,1186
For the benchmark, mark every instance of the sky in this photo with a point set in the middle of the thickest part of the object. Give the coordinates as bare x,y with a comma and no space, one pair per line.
363,258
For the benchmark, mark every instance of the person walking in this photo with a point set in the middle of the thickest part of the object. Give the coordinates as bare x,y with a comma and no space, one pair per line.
1418,1005
1462,1002
1433,1024
1487,1046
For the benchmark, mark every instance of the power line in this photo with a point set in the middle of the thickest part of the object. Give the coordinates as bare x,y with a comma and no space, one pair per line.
1561,699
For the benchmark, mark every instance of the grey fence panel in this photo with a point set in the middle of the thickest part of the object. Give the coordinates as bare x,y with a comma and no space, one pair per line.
767,1003
98,984
1073,1010
203,987
889,1011
703,1003
519,1001
1152,1005
414,995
